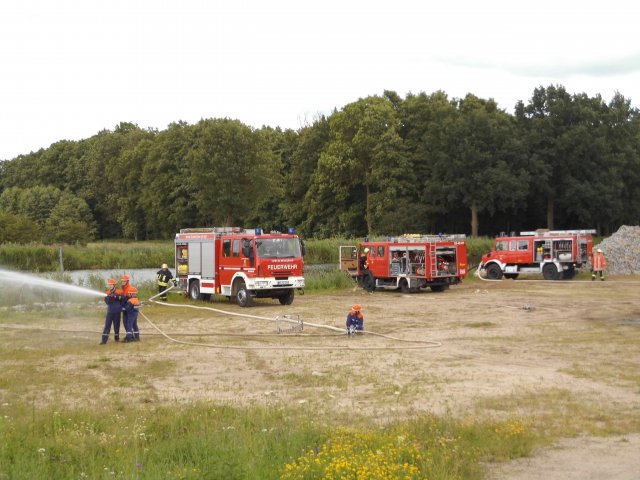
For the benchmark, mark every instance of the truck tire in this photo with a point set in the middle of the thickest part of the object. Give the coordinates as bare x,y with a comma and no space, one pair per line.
194,291
243,297
494,272
404,286
511,276
550,272
569,273
287,298
438,288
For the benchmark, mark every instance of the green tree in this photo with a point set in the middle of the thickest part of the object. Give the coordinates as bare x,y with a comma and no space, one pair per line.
426,122
363,174
167,195
474,160
232,169
269,212
70,221
101,171
308,145
16,228
35,203
622,133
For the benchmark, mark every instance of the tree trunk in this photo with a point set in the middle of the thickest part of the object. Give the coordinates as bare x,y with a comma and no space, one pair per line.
474,219
368,212
550,205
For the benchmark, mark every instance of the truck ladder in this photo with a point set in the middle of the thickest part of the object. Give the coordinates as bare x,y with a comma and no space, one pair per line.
433,259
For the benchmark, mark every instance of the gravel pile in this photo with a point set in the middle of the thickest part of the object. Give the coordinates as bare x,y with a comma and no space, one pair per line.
622,250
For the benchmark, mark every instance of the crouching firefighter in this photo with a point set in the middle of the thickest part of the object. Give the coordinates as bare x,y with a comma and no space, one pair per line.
132,306
355,320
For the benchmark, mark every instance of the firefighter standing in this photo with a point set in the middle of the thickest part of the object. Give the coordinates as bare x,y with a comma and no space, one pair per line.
598,264
355,320
164,277
131,306
126,287
364,259
113,299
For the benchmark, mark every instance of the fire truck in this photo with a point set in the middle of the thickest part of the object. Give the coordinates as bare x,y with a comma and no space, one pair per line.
240,264
555,254
407,263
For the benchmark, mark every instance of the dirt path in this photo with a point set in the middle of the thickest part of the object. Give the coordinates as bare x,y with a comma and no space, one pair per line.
583,458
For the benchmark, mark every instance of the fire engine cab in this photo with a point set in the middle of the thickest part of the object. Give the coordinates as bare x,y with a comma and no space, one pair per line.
555,254
240,264
408,263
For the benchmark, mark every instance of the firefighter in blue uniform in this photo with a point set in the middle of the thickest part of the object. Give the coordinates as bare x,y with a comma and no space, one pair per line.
355,320
131,306
113,299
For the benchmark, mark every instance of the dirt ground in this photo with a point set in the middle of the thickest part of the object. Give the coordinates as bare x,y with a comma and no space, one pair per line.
564,354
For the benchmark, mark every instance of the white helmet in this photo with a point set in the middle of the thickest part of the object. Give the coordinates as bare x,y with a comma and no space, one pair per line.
599,250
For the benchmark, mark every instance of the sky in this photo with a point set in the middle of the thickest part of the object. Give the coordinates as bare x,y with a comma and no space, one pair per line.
71,68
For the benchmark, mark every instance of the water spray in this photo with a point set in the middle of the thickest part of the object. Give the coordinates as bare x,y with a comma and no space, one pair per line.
20,279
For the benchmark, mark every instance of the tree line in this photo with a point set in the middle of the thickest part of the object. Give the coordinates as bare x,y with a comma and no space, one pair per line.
382,165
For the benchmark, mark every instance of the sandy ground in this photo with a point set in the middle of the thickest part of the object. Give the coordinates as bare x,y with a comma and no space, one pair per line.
563,353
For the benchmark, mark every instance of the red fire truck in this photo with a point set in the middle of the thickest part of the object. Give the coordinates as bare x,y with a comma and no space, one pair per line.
408,263
240,264
553,253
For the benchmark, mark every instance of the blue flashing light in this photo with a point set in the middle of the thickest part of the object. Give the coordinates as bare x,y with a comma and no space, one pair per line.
258,231
292,230
366,239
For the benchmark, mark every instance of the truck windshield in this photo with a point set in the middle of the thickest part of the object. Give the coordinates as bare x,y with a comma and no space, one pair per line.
278,247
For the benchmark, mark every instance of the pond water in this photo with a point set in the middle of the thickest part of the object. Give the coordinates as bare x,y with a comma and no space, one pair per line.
136,275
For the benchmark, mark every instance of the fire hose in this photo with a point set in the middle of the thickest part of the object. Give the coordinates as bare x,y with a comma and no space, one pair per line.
421,344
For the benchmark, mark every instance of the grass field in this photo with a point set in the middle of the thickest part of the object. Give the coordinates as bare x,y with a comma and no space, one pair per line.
235,400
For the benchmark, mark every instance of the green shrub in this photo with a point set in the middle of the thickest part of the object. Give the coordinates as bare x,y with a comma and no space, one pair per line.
322,279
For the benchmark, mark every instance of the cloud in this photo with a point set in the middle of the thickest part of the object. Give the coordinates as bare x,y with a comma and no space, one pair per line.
613,66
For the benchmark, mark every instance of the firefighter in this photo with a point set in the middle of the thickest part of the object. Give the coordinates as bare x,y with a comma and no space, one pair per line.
125,287
355,320
364,259
598,264
132,305
164,277
113,299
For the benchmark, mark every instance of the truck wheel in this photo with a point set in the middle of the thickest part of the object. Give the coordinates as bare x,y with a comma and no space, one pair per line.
194,291
242,295
369,282
569,273
404,286
437,288
550,272
511,276
287,298
494,272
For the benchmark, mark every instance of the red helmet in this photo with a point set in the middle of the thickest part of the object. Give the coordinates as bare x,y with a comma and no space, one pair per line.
124,278
111,281
356,308
132,291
